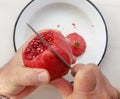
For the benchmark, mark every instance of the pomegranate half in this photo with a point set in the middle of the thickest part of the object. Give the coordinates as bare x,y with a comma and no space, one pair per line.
37,55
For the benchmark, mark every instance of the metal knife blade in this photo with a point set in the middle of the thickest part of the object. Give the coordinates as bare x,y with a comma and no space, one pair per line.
48,45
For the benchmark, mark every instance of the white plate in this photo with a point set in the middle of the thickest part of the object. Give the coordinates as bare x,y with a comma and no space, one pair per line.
68,16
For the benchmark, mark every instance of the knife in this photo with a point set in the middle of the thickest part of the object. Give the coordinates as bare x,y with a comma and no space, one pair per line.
49,46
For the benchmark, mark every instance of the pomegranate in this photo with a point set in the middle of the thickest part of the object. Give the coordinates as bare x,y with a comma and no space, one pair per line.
37,55
78,44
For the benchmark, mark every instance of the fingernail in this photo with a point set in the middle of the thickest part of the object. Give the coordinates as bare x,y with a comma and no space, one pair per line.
43,77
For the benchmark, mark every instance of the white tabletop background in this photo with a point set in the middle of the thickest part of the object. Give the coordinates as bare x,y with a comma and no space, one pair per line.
9,11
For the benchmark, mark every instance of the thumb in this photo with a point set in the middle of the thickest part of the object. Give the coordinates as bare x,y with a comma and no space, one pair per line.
85,79
31,77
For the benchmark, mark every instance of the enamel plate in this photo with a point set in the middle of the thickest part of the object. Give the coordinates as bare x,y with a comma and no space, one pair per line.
68,16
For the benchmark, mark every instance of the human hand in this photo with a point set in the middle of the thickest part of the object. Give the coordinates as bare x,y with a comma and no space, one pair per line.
89,83
18,81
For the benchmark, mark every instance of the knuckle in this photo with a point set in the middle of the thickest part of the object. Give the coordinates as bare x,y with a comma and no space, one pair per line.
95,68
31,78
92,64
31,81
89,68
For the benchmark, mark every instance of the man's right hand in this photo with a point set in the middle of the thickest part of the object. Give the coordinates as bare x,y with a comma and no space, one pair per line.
89,83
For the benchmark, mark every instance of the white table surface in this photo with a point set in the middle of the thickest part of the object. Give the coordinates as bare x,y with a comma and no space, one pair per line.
9,11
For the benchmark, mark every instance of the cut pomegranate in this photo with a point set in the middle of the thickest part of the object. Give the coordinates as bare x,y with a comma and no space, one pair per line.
37,55
36,46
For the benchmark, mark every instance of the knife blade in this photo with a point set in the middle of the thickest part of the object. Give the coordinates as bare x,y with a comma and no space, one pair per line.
49,46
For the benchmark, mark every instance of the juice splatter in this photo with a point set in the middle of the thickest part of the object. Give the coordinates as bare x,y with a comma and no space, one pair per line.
74,25
58,26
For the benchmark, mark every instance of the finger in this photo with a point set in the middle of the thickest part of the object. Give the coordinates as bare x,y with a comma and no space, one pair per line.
24,93
64,87
85,79
76,68
31,77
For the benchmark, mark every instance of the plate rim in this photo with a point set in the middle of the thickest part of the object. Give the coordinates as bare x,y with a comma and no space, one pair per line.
92,4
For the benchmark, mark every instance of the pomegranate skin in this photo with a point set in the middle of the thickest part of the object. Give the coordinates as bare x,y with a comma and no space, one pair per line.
77,43
47,60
